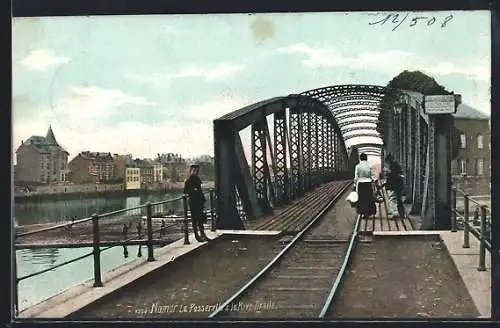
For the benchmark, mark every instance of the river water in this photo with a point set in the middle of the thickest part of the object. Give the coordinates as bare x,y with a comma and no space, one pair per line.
35,289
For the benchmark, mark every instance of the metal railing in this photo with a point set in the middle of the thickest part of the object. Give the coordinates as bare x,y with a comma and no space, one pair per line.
99,220
462,220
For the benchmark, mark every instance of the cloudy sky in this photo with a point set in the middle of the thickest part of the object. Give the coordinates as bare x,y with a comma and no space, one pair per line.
153,84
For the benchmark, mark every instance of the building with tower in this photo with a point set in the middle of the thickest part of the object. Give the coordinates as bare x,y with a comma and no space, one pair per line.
41,160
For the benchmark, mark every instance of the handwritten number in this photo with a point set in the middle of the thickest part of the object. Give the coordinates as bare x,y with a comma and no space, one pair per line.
383,21
414,20
398,21
401,22
446,20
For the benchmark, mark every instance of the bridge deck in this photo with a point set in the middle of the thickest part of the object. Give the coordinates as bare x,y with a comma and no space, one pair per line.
192,286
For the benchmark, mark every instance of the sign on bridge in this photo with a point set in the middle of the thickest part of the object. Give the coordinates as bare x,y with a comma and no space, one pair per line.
442,104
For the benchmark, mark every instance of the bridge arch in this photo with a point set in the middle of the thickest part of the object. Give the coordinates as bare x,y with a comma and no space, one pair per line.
312,132
307,149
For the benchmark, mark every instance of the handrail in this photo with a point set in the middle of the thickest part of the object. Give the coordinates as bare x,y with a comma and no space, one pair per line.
103,215
484,232
96,244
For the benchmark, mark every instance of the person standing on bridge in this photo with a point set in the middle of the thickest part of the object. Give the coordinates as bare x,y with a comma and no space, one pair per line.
394,186
364,185
192,187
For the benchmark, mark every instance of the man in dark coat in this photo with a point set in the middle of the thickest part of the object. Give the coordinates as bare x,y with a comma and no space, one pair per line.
192,188
394,186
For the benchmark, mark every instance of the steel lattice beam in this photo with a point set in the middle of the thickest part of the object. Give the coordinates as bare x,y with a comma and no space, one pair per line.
335,106
280,144
373,115
307,143
351,122
364,134
259,164
355,128
296,153
341,111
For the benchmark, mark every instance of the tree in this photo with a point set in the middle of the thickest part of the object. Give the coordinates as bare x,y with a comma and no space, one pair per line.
412,81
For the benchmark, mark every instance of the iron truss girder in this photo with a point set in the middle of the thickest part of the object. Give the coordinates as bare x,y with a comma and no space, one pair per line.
345,90
347,123
369,144
280,154
364,134
373,115
337,112
370,148
360,127
349,98
334,106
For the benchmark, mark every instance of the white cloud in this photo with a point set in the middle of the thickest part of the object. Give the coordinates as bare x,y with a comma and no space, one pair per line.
390,62
215,108
210,73
154,78
86,102
42,59
474,70
191,134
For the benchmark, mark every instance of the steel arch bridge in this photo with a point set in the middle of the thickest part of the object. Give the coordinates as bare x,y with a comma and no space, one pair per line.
309,143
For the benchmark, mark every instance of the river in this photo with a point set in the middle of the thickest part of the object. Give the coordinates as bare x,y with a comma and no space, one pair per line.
58,210
35,289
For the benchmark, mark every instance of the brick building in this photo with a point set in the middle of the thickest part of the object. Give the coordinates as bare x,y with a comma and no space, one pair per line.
471,169
92,167
41,160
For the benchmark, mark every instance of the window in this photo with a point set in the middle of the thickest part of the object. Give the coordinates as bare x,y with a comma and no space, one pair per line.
480,141
463,167
479,166
463,141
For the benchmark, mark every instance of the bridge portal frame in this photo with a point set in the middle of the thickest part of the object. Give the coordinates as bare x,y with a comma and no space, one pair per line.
296,142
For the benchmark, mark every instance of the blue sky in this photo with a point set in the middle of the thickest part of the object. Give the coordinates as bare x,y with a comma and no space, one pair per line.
153,84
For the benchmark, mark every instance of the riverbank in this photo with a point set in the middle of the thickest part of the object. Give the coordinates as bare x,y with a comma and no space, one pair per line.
110,230
68,192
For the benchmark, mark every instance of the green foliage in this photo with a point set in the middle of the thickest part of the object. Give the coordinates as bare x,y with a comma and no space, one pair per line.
417,81
411,81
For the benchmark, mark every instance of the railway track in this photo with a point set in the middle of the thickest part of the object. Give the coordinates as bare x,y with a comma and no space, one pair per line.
296,217
302,280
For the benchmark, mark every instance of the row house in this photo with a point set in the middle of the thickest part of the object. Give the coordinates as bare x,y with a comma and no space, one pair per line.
132,177
41,160
471,169
92,167
142,173
146,171
157,170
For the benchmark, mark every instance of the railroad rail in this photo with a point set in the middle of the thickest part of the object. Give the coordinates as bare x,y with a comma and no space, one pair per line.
297,216
318,262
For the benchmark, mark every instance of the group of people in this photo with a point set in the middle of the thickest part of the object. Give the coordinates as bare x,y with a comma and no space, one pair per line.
368,187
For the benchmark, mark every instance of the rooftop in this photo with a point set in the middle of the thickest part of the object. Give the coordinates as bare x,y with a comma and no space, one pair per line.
43,144
467,112
96,155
